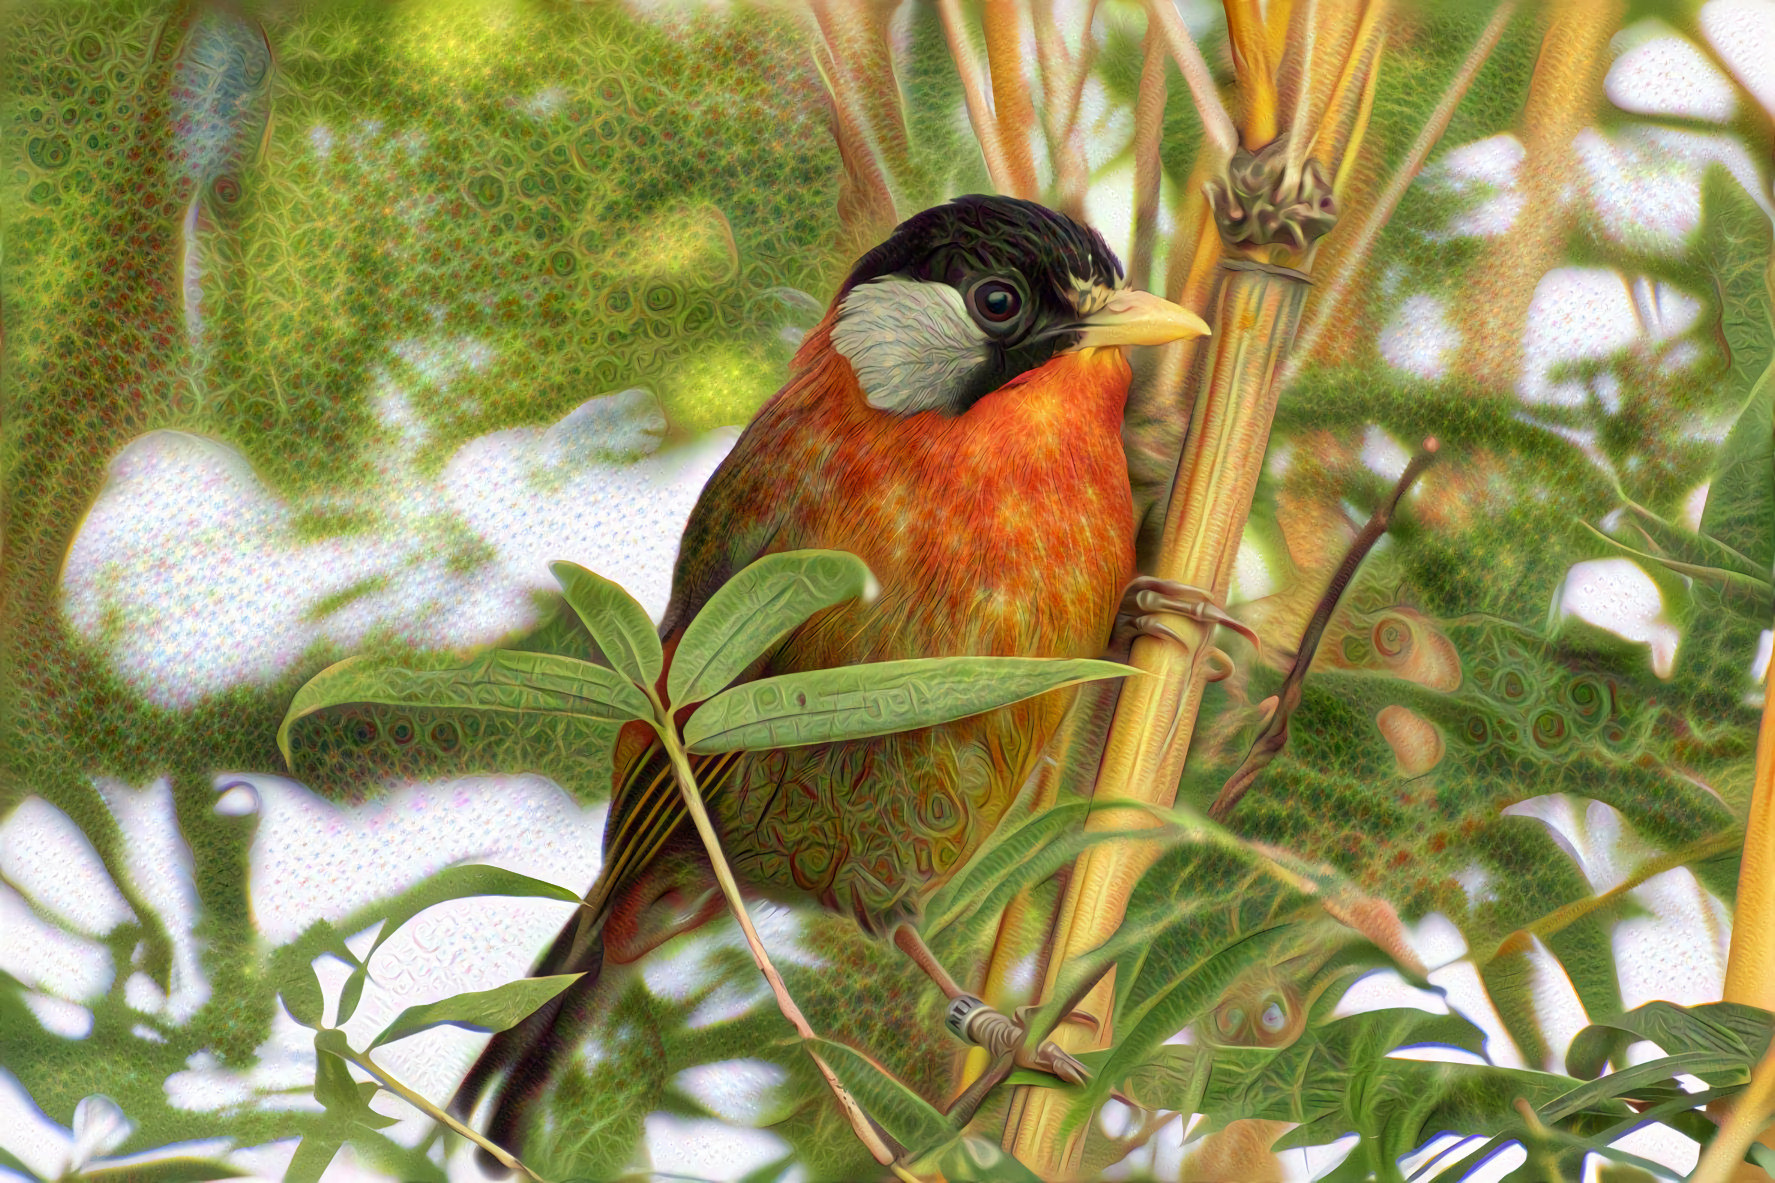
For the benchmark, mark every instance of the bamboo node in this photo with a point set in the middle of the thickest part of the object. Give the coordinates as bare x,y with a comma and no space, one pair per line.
1266,199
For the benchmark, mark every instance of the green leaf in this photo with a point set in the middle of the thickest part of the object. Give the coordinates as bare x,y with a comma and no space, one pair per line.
500,680
312,1158
452,883
1740,508
498,1009
753,611
911,1119
11,1163
1739,1033
163,1170
1762,1156
334,1086
301,992
976,1160
619,625
858,701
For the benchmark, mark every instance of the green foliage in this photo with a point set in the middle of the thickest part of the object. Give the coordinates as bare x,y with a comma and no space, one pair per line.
854,702
755,610
620,626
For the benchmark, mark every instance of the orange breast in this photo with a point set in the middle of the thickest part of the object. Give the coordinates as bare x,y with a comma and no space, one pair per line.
1006,530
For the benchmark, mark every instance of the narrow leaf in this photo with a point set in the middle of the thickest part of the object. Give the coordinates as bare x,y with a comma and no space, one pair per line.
1740,508
753,611
911,1119
858,701
500,680
619,625
498,1009
452,883
312,1158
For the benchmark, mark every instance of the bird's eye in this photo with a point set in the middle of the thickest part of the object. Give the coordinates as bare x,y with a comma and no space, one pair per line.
995,302
1273,1017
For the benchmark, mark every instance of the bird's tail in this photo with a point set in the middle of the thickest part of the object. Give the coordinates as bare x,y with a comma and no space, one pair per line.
518,1062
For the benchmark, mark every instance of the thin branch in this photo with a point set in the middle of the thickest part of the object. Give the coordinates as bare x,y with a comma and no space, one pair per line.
865,1129
1149,129
1011,102
1326,306
980,114
1217,125
1063,78
506,1158
1275,733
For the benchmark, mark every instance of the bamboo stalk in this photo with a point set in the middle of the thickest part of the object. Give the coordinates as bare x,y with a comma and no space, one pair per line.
1217,125
980,114
1750,966
1257,74
1149,127
1011,103
1256,313
1563,96
1063,76
1355,251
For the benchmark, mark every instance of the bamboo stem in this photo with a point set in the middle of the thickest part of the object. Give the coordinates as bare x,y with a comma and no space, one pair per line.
1257,74
980,114
1257,311
1750,965
1217,125
1149,127
1355,252
1011,103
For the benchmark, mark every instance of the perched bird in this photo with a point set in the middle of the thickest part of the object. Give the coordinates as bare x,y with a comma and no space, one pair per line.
954,420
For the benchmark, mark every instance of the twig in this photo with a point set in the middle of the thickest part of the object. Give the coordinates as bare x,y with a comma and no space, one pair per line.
1149,128
699,815
1063,78
980,115
1325,308
1257,75
506,1158
1217,125
1275,733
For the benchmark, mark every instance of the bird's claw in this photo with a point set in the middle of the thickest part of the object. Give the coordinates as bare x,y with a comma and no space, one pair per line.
972,1021
1149,595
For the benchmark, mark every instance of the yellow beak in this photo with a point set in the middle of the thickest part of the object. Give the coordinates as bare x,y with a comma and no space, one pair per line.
1140,318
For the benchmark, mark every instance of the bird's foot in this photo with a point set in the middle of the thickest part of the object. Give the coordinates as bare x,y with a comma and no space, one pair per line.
1148,596
972,1021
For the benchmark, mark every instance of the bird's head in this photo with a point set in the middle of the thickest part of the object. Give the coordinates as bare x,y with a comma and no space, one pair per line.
968,295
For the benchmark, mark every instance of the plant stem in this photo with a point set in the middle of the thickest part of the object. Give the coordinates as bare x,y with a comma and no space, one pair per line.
506,1158
1011,104
1355,251
1275,733
980,114
1217,125
699,816
1750,965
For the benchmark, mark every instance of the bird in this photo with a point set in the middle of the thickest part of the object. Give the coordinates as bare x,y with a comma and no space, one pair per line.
955,421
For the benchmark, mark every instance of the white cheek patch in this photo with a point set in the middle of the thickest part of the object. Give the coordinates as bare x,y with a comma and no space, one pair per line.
912,345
